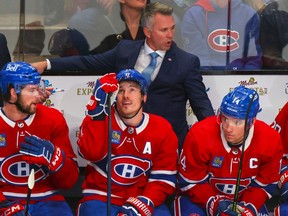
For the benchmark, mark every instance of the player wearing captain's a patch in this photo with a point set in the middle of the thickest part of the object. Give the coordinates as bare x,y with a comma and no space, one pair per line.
144,158
211,156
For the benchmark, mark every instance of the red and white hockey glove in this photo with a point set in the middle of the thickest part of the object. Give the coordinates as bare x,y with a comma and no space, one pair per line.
42,152
246,209
136,206
11,208
283,183
98,100
223,206
219,206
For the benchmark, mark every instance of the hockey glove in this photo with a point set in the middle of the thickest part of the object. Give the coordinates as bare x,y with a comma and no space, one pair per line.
98,101
42,152
213,207
135,206
225,208
246,209
281,209
283,184
11,208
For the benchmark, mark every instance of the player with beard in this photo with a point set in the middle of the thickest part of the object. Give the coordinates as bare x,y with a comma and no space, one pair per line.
32,136
144,151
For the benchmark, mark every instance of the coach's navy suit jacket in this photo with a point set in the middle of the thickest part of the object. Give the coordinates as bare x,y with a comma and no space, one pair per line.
178,80
4,52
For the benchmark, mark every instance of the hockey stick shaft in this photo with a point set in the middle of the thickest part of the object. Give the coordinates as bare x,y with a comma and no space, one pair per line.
246,131
31,182
109,156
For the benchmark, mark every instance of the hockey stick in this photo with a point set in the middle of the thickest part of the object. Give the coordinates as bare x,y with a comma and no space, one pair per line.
109,156
31,182
246,130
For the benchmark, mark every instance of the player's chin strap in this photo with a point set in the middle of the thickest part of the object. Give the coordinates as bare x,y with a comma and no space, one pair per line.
125,117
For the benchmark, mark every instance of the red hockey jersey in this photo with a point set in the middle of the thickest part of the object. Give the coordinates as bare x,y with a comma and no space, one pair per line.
144,159
47,123
208,166
280,124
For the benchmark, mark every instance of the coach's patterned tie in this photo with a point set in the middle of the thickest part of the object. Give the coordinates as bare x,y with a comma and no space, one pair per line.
147,72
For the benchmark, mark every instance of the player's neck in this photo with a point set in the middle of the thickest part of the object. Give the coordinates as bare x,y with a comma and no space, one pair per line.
13,113
135,121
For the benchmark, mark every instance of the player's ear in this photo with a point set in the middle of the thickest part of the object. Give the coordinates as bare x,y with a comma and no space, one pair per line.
144,98
13,94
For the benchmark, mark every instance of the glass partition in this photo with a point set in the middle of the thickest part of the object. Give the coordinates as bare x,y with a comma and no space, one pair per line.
226,35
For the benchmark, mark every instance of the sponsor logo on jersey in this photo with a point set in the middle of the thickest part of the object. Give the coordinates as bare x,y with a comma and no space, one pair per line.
228,186
3,140
217,161
217,40
16,171
127,170
116,137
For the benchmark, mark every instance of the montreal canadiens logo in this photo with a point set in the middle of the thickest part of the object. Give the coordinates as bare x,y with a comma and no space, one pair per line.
228,186
16,171
126,170
217,40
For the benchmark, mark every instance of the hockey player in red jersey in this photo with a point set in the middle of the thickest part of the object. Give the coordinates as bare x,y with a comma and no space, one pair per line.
280,124
32,137
211,156
144,151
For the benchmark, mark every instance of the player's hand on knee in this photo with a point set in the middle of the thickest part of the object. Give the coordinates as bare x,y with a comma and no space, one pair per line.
43,152
246,209
98,100
225,208
11,208
135,206
283,184
219,206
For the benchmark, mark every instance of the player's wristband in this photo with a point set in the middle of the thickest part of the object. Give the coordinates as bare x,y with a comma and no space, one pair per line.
57,160
137,206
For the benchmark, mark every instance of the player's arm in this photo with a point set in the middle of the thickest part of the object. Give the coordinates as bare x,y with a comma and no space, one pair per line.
92,146
94,129
56,154
265,184
162,178
193,170
60,138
